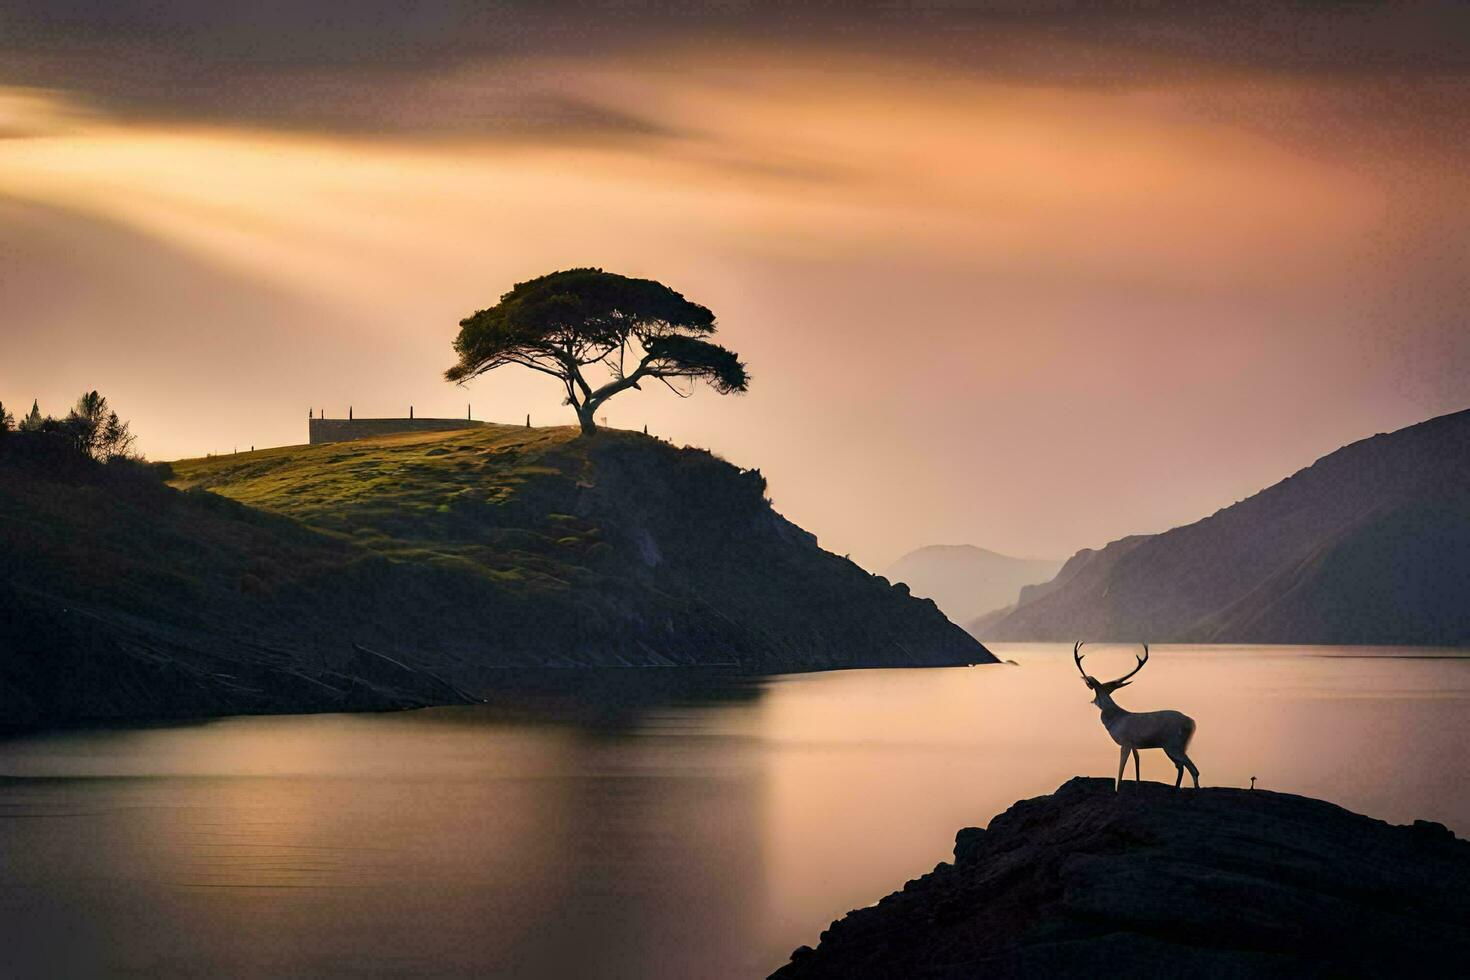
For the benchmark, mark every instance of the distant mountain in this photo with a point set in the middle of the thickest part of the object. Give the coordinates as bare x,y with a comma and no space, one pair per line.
1370,544
965,581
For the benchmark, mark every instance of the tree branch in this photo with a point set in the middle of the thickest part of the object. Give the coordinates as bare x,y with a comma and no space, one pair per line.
534,367
681,394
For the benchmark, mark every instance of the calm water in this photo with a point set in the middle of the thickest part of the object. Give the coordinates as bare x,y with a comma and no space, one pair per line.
701,832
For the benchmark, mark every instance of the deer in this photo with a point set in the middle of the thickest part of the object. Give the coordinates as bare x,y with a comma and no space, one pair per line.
1134,730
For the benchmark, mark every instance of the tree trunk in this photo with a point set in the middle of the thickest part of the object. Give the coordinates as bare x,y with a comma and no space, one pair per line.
584,415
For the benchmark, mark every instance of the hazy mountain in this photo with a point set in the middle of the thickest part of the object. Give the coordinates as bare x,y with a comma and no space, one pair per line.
1370,544
409,569
965,581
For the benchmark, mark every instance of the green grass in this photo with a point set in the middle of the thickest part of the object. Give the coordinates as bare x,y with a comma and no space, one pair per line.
496,500
416,470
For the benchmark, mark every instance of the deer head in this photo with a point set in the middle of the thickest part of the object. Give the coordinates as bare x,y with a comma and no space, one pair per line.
1104,689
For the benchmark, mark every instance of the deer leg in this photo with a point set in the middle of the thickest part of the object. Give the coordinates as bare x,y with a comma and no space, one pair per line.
1193,772
1122,764
1178,767
1136,777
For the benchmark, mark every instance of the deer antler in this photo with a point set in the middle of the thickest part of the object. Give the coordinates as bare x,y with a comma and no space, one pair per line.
1141,661
1077,657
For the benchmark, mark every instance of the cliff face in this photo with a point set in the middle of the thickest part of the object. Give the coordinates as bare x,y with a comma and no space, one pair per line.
1157,882
1371,544
452,556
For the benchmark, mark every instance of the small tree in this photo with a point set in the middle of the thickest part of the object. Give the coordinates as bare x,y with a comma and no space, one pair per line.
98,431
33,421
564,323
6,419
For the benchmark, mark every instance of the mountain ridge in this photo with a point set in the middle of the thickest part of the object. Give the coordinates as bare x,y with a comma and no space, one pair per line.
1272,568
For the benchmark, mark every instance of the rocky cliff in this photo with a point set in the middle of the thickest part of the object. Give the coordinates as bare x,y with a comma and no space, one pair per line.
1157,882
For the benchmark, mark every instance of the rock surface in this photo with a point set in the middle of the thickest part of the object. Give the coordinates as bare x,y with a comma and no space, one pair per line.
1154,882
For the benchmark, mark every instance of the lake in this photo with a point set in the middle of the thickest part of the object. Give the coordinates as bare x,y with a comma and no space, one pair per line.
647,824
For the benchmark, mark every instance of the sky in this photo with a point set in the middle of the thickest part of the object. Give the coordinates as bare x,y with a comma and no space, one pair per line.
1021,275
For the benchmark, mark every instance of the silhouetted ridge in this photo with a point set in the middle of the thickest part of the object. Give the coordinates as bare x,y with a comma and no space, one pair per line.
405,570
1370,544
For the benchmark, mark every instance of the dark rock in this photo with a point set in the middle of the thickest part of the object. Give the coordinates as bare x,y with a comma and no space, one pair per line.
1432,830
967,844
1158,882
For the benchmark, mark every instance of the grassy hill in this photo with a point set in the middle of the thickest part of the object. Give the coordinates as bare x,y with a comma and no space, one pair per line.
394,571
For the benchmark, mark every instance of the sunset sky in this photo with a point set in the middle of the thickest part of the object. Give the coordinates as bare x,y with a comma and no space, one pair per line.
1008,274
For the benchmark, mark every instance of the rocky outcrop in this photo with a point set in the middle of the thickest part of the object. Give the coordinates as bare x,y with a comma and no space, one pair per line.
1157,882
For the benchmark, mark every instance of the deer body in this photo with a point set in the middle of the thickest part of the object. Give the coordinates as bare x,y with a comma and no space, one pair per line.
1134,730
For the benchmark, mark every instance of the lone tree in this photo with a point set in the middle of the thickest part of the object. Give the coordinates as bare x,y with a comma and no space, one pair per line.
96,428
565,323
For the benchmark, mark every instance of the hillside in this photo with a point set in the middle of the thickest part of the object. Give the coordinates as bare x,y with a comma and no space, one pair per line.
402,570
965,581
1162,883
1370,544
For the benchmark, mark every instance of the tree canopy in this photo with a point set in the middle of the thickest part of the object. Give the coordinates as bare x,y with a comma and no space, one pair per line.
33,421
91,433
565,323
96,428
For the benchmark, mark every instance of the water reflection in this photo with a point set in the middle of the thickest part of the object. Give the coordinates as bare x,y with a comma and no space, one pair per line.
642,824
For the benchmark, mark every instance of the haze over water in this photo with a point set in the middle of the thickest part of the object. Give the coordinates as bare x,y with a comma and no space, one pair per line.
701,831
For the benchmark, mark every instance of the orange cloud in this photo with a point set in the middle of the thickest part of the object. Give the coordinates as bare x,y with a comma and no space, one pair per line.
946,276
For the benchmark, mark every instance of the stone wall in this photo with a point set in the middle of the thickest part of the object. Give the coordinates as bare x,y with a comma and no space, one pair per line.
343,430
